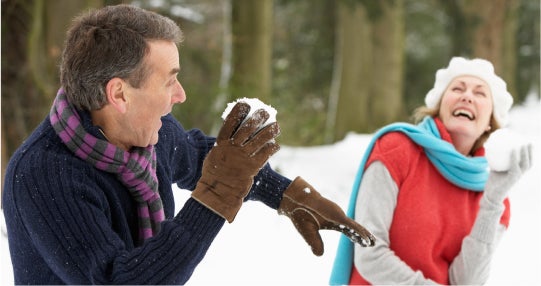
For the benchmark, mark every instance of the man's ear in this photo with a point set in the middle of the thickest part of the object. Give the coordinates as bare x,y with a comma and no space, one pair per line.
115,91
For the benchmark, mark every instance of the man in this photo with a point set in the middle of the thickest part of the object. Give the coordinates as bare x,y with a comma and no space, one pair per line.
88,196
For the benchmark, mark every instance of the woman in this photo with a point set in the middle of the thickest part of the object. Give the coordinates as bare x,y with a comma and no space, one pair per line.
425,193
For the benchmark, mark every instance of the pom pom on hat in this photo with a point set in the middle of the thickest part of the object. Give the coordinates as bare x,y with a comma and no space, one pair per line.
483,69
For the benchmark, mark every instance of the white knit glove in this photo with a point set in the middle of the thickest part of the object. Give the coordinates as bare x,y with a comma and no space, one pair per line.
499,183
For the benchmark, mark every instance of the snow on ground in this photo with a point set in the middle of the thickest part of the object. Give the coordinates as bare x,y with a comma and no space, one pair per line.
262,248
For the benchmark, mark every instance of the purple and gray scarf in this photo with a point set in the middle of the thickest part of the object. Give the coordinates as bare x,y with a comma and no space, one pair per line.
136,169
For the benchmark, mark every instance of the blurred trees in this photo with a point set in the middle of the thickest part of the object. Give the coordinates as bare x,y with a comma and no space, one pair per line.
527,41
32,37
251,24
304,36
368,67
340,66
496,30
486,29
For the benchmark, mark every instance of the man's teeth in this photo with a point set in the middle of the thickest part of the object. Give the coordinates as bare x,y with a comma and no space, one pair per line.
462,112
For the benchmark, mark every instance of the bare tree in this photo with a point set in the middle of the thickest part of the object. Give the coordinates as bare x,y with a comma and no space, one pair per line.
252,49
493,25
486,29
32,36
366,90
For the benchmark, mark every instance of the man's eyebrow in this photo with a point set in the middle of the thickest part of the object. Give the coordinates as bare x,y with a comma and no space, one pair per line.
174,71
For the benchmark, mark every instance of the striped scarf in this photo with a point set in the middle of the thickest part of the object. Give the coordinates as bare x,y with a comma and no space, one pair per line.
469,173
136,169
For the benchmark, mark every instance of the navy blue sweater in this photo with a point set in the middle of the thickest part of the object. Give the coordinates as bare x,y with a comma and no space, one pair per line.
70,223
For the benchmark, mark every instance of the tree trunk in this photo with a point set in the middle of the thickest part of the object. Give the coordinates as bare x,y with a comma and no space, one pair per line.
32,36
490,31
18,91
225,69
486,18
366,90
349,98
387,64
252,49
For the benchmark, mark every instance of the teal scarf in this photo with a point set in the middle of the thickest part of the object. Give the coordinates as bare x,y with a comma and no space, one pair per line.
466,172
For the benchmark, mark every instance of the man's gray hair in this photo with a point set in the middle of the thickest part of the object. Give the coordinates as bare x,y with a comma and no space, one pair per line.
106,43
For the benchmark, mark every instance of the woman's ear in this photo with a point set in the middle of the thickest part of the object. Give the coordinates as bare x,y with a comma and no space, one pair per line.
115,91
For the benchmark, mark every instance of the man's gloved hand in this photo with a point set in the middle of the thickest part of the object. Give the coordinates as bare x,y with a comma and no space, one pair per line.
499,183
230,166
310,212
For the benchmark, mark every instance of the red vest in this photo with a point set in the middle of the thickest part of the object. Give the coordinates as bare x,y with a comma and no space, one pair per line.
432,216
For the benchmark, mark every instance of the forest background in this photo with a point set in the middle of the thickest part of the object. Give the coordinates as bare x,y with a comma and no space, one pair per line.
329,67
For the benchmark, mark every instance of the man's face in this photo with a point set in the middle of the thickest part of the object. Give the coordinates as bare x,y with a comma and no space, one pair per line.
156,96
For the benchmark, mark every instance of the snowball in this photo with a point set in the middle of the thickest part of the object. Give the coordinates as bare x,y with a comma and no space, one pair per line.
255,104
499,146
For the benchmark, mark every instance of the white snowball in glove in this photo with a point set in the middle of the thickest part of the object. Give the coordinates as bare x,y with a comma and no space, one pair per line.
255,104
499,146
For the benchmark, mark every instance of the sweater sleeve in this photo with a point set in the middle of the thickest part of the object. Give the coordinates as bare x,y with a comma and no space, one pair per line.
72,232
374,209
186,151
268,187
472,265
67,225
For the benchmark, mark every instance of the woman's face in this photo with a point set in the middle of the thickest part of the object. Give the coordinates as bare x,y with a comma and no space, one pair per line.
466,109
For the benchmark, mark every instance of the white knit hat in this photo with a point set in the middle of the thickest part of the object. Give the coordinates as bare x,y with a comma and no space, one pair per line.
480,68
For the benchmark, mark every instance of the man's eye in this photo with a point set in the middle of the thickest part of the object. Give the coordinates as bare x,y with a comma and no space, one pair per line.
172,82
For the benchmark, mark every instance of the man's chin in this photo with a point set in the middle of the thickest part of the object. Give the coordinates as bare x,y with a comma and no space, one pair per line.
154,140
151,142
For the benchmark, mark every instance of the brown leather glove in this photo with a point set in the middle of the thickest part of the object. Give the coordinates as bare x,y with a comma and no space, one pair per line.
310,212
230,166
